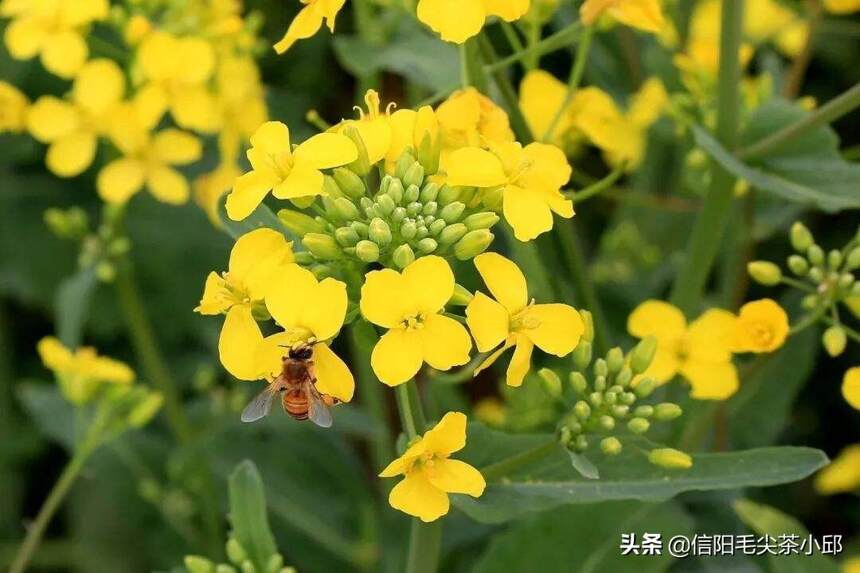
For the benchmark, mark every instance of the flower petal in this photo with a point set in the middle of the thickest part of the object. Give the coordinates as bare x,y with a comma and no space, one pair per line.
120,179
240,336
526,211
272,138
711,380
303,181
326,150
446,342
256,256
504,279
659,319
448,436
332,374
474,167
851,387
63,54
397,356
25,37
520,362
325,308
306,23
213,302
99,85
416,496
176,147
454,476
72,154
167,185
454,20
248,192
51,118
385,298
488,321
711,337
558,327
430,283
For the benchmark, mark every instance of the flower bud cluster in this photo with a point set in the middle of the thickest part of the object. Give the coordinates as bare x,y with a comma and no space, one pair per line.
609,398
239,562
408,216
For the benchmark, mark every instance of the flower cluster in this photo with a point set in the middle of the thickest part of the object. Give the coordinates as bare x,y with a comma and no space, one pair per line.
239,560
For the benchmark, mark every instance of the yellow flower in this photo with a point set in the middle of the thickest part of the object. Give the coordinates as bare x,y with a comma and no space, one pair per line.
642,14
468,118
491,411
71,128
82,372
309,20
430,474
762,326
770,21
851,387
541,98
288,173
409,305
458,20
700,351
513,320
176,72
843,473
13,108
530,178
842,6
374,127
52,29
418,130
210,187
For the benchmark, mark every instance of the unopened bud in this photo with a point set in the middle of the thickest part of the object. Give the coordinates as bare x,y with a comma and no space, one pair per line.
578,381
852,261
198,564
638,425
588,323
385,204
224,568
346,209
404,162
452,212
408,229
645,386
461,296
436,227
834,259
427,246
346,236
596,399
106,271
275,563
615,360
395,190
610,446
816,274
624,377
235,552
600,367
483,220
582,410
798,265
322,246
298,223
815,254
607,423
411,194
367,251
551,382
430,208
403,256
670,458
764,272
582,355
667,411
361,165
429,193
834,340
414,175
145,410
801,238
473,244
644,411
643,354
600,383
447,194
379,232
452,233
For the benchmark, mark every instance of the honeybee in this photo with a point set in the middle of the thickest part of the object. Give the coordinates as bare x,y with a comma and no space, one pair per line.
299,395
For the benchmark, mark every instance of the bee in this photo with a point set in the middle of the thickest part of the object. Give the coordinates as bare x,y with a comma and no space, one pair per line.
299,395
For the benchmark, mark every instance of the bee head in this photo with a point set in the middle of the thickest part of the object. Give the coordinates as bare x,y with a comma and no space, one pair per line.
301,353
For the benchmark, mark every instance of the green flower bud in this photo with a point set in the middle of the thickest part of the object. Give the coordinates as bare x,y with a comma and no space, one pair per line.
638,425
452,233
565,435
834,259
643,354
351,184
386,204
801,238
412,209
667,411
303,258
607,423
427,246
224,568
447,194
119,246
645,387
815,254
588,323
644,411
816,274
852,261
846,281
428,218
437,226
398,214
422,231
611,398
580,443
408,229
321,246
596,399
809,302
380,232
620,411
106,272
275,563
461,296
855,289
578,381
551,382
670,458
430,208
395,190
600,383
452,212
404,162
411,194
492,198
299,223
346,209
834,340
764,272
798,265
582,410
248,567
414,175
321,271
615,360
331,188
403,256
145,410
235,552
600,367
624,377
582,355
367,251
610,446
429,193
346,236
198,564
483,220
628,398
473,244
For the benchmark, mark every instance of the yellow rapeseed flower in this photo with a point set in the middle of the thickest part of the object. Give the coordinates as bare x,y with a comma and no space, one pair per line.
701,351
842,6
410,305
288,173
430,474
458,20
642,14
373,126
55,30
309,20
762,326
72,128
530,178
843,473
851,387
513,320
82,372
468,118
418,130
13,108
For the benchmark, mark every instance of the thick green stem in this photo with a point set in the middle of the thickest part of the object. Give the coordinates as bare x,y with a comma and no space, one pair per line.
509,465
573,81
710,224
362,340
425,543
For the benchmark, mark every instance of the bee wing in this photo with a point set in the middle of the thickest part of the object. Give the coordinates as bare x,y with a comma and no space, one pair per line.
260,406
318,412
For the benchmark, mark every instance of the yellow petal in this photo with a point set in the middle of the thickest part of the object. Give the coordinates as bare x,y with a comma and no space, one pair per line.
240,337
109,370
658,319
51,118
446,342
248,192
843,473
149,105
665,364
416,496
526,211
504,279
195,60
491,359
272,138
642,14
157,55
213,300
54,355
541,97
488,322
306,23
554,328
397,356
520,361
762,326
63,54
325,308
120,179
176,147
25,37
402,464
547,167
167,185
711,380
851,387
454,476
194,108
385,298
474,167
70,155
454,20
296,300
448,436
303,181
332,374
326,150
99,85
429,281
711,337
256,256
507,10
402,124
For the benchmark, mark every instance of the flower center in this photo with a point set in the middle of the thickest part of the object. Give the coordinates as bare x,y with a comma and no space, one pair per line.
761,334
524,319
414,322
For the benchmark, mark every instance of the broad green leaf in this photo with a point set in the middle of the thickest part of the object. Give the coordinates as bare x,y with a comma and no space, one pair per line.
53,415
765,520
808,170
585,539
552,481
248,515
72,304
261,217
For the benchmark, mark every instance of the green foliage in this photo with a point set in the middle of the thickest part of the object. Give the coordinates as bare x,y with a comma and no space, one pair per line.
248,515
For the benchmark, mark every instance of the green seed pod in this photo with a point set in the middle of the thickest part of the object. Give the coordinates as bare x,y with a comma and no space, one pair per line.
235,552
483,220
624,377
321,246
380,232
447,194
834,340
403,256
346,209
461,296
643,355
452,233
644,411
801,238
815,254
299,223
582,410
607,423
611,446
367,251
197,564
452,212
834,259
385,204
427,246
437,227
429,192
395,191
667,411
411,194
551,382
578,381
638,425
670,458
414,175
473,244
398,214
582,355
798,265
408,229
414,208
852,261
351,184
614,360
764,273
645,387
601,368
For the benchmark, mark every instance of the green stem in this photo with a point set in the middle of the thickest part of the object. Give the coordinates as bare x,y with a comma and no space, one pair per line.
509,465
808,320
796,284
519,125
599,186
404,407
711,222
10,480
573,81
362,339
551,43
842,104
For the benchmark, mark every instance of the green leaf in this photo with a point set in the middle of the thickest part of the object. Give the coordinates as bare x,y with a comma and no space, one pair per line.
72,305
261,217
53,415
809,170
584,466
585,539
248,515
765,520
552,481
